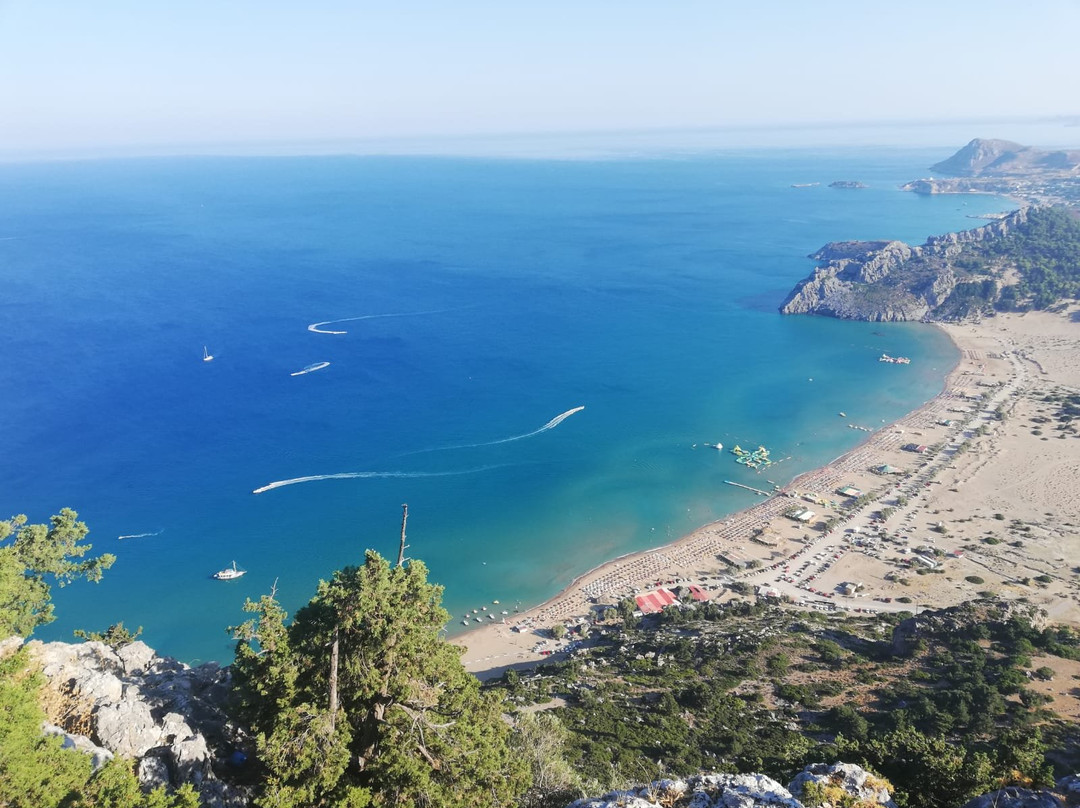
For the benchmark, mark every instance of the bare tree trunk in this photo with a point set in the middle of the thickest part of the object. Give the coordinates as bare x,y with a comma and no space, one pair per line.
333,680
401,547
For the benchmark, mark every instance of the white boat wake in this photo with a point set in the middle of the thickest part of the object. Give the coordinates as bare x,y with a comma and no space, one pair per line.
367,475
554,422
311,368
140,535
316,328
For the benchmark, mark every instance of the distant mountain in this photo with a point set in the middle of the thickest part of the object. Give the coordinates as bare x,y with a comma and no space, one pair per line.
995,158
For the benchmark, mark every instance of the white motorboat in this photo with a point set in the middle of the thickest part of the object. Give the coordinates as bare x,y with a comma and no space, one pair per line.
229,573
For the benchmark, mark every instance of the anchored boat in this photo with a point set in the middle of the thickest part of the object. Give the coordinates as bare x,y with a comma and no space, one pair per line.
229,573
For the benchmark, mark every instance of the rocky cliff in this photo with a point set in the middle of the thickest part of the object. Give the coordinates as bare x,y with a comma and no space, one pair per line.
131,702
890,280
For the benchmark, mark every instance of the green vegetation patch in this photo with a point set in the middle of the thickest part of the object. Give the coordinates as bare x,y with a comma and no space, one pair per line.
944,714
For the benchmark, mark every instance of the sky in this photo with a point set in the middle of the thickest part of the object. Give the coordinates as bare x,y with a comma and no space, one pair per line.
125,74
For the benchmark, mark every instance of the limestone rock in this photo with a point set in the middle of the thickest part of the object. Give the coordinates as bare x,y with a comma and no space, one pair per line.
136,657
191,759
700,791
127,727
80,743
153,772
1070,786
134,703
10,646
1014,797
890,280
851,779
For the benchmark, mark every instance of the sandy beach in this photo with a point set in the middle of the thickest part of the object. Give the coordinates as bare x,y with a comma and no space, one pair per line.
992,506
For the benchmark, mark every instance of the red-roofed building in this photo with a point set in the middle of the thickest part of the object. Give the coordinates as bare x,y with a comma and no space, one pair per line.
699,594
653,602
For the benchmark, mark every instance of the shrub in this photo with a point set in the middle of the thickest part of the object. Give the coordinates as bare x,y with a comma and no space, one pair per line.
974,579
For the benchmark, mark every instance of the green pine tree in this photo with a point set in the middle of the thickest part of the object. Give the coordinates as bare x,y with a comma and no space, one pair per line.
33,555
397,721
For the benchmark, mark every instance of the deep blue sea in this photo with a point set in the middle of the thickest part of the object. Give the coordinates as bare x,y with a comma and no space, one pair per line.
492,297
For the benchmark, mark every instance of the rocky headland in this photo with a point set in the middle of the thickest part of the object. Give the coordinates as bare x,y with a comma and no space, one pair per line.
989,166
1002,158
893,281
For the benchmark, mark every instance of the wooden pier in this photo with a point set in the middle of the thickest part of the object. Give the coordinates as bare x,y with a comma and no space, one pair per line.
748,488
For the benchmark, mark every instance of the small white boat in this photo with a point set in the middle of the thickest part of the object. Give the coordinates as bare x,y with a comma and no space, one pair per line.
206,355
229,573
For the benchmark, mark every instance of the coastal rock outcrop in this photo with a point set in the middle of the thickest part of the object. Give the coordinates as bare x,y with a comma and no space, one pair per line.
890,280
133,703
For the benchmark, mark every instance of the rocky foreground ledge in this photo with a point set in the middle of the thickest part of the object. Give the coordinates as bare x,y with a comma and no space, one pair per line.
168,717
165,715
842,784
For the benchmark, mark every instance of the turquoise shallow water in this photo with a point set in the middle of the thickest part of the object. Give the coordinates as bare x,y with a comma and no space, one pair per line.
643,290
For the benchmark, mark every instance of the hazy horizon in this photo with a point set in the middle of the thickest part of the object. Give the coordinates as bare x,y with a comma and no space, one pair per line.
133,78
604,144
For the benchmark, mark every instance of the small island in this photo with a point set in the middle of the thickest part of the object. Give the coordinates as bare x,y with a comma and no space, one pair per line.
852,184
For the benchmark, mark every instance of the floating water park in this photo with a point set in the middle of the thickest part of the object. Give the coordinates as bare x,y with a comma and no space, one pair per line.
757,459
